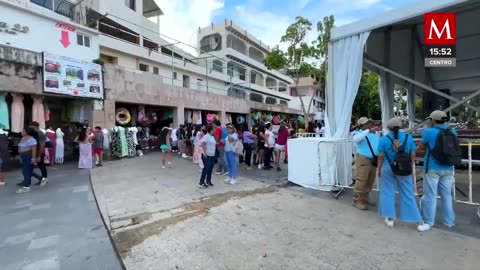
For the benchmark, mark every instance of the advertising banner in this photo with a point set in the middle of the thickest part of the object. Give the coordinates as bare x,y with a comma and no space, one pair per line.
69,76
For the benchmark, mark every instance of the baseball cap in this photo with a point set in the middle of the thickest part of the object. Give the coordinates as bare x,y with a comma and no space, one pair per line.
363,121
438,115
394,122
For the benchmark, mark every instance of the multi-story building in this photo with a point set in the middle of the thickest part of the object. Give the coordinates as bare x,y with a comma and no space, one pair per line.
140,66
308,91
236,53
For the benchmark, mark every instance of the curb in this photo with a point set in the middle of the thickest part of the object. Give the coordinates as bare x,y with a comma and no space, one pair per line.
117,253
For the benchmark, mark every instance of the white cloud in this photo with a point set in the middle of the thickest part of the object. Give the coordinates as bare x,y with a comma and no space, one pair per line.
183,17
264,25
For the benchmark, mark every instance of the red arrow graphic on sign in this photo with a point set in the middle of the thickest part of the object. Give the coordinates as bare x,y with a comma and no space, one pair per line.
65,40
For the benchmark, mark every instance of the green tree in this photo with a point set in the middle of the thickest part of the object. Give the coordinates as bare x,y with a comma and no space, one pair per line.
324,29
293,60
367,102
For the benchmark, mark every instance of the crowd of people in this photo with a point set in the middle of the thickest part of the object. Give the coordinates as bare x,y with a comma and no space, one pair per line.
393,153
227,147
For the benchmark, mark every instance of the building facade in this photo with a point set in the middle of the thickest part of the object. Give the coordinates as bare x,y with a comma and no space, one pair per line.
307,90
124,36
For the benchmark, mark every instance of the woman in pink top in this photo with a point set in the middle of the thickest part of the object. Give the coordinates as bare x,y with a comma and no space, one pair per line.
282,136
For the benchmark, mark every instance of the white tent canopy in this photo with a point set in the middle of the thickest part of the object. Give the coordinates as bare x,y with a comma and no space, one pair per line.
391,45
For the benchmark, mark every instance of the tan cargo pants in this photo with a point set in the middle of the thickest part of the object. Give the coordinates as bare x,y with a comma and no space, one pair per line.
364,180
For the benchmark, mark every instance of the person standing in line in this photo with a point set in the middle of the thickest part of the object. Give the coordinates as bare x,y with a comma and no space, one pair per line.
439,168
27,148
198,153
248,143
41,140
174,141
84,140
396,156
260,145
222,166
282,137
98,146
208,143
366,140
269,145
230,141
166,146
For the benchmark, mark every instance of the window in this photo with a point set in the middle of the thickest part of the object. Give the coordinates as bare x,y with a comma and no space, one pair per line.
44,3
217,65
186,81
211,43
175,75
143,67
199,84
155,70
130,4
83,40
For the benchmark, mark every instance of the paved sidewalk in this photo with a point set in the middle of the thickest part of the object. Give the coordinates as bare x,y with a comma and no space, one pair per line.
161,220
55,227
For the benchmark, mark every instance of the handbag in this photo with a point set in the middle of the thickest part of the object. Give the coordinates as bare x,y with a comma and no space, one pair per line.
238,147
373,160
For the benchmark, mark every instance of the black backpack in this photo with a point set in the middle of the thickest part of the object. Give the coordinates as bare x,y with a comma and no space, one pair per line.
402,164
447,149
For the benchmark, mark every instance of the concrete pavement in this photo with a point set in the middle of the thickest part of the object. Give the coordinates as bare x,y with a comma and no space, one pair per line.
161,220
54,228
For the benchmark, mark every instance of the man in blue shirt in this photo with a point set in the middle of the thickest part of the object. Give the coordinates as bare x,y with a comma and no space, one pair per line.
365,168
438,178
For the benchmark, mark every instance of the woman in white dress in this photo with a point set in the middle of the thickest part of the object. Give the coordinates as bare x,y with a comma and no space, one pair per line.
60,148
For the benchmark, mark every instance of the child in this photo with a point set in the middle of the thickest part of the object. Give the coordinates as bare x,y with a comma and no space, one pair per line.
98,146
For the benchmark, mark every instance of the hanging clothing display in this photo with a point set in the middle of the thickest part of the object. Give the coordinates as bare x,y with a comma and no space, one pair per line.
4,115
123,142
106,139
46,157
38,111
51,151
59,146
194,118
85,158
47,113
199,118
188,117
18,114
130,143
115,145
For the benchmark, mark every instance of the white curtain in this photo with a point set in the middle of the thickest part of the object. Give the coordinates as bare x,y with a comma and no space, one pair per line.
344,74
386,97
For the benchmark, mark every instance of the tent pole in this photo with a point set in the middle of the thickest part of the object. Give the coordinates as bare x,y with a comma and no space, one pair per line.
428,88
448,109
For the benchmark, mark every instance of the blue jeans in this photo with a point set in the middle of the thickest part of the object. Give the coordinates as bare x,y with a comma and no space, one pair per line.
438,182
222,163
232,164
27,168
208,163
408,204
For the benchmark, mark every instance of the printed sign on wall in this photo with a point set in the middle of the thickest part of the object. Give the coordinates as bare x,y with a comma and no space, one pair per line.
69,76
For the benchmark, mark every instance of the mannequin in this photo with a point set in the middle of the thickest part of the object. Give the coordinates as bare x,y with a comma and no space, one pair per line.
59,146
18,114
51,151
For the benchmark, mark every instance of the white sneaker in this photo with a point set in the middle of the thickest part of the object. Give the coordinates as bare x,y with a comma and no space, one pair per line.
260,166
423,227
169,164
184,156
233,182
23,190
228,180
43,182
163,166
389,222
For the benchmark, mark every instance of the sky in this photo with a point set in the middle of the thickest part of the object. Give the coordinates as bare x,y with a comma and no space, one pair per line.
265,19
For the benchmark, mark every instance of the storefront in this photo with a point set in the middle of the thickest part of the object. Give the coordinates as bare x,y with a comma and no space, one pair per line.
258,117
59,94
199,117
